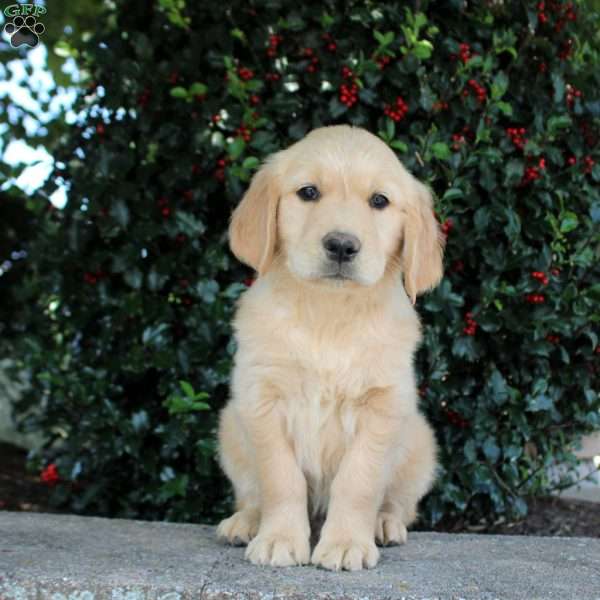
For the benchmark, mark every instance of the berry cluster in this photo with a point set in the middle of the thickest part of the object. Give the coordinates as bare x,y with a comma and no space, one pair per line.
562,12
572,93
244,132
535,298
533,173
50,475
479,91
456,418
219,173
272,76
274,41
245,73
165,209
471,324
349,94
589,164
458,266
447,227
553,339
465,52
458,141
517,136
439,106
540,276
398,112
92,278
144,98
329,42
347,73
313,65
590,136
383,62
566,49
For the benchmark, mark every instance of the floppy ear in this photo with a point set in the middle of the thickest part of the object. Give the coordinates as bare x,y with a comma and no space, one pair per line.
423,245
253,226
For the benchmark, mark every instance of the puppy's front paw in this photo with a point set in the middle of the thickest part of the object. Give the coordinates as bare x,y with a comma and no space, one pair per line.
390,530
240,528
348,554
279,549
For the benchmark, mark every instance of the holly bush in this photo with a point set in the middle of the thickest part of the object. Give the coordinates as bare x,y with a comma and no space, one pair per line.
130,288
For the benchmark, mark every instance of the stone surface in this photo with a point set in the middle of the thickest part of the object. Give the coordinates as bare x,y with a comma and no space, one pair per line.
58,557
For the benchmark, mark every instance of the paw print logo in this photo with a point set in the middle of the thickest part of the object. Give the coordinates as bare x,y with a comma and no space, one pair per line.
24,31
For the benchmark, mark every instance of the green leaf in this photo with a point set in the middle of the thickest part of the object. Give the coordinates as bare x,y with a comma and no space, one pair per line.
569,222
400,146
187,223
208,290
452,194
514,171
505,108
133,278
236,148
251,162
557,123
422,49
499,85
498,387
441,151
491,449
187,388
539,403
559,87
179,92
154,334
198,89
120,213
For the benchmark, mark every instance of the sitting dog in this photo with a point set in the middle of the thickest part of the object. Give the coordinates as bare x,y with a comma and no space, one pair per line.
323,416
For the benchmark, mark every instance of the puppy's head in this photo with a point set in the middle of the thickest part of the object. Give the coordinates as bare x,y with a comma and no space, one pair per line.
341,210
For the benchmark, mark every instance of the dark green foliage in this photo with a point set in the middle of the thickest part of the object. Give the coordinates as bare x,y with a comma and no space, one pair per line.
135,287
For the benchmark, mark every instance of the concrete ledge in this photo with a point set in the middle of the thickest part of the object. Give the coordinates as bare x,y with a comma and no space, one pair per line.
57,557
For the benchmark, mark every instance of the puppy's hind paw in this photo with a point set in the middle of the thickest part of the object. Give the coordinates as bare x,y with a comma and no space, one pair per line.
390,530
240,528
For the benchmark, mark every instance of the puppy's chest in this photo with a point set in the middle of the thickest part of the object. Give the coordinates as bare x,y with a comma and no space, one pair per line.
327,375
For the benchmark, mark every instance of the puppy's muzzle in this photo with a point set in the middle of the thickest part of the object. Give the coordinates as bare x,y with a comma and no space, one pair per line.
341,247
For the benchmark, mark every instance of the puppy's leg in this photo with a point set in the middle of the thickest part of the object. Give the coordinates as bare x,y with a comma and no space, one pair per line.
284,531
411,480
357,491
234,455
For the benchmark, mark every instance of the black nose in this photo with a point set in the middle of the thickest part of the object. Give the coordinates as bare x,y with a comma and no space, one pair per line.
341,247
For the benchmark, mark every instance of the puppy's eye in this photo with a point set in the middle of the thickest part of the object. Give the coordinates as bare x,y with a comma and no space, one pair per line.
309,193
378,201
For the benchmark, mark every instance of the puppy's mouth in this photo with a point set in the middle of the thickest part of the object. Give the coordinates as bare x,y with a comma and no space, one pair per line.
339,274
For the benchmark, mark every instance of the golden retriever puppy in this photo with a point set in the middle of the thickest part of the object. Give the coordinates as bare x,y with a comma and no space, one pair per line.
323,416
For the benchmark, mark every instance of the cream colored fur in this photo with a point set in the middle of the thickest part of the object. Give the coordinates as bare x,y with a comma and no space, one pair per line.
323,416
